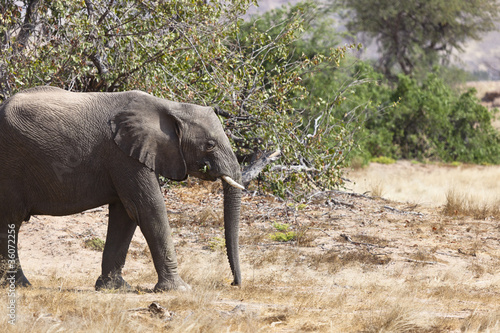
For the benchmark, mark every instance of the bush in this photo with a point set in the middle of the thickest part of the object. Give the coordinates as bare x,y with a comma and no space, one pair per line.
423,121
95,244
281,226
383,160
217,244
284,236
197,52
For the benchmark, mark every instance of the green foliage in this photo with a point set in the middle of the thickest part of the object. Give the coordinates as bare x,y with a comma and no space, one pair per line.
279,80
281,226
284,236
217,244
95,244
412,117
313,141
200,52
174,49
383,160
300,206
427,120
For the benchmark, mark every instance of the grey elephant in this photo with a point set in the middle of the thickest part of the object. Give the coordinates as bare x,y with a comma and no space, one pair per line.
63,152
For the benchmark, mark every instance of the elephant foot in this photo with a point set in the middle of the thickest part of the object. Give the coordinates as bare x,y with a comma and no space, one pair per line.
16,279
22,281
174,283
113,283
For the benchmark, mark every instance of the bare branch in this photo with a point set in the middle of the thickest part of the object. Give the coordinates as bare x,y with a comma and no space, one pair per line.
254,170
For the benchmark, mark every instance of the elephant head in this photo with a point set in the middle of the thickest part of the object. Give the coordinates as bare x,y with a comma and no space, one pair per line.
176,140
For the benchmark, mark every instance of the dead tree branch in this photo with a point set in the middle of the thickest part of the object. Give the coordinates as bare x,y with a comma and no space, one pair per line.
255,168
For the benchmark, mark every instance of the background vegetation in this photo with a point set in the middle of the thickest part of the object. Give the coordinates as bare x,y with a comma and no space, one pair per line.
427,120
189,51
280,81
414,35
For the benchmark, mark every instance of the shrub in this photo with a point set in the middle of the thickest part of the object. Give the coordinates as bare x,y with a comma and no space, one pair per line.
281,226
284,236
199,52
425,120
95,244
383,160
217,244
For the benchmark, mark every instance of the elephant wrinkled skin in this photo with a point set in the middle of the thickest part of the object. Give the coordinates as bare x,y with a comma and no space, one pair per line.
63,152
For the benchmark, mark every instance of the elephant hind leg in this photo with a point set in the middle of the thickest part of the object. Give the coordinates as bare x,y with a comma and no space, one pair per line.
11,272
14,277
121,229
13,212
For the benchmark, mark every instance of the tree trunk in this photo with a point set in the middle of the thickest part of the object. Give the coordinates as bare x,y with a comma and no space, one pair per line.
29,25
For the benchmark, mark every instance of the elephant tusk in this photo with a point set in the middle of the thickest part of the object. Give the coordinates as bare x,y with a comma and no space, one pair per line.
231,182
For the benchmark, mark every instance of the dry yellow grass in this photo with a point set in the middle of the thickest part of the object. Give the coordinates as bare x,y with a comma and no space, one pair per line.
369,265
458,203
428,184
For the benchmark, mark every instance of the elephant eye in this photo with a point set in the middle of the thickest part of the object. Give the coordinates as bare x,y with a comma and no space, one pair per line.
210,145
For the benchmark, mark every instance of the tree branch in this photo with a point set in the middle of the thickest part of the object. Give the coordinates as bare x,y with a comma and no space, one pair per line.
255,168
103,16
222,113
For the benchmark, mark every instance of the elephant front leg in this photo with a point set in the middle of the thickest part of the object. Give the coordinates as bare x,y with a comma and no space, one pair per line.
158,234
143,201
121,229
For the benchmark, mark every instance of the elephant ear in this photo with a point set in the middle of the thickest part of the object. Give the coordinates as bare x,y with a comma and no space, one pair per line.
154,139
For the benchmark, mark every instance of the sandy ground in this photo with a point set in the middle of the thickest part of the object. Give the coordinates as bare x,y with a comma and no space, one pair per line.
361,264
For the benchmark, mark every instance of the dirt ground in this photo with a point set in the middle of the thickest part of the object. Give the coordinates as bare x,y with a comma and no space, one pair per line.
355,263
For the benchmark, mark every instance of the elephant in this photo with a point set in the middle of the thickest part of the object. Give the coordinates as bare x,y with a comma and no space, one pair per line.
65,152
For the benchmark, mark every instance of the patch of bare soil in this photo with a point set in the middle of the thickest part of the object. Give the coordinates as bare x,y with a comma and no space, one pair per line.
353,264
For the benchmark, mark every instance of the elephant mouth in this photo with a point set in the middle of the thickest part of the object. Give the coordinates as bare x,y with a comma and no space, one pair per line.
225,178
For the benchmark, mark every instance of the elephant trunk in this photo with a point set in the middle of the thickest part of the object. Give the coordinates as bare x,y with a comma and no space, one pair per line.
232,206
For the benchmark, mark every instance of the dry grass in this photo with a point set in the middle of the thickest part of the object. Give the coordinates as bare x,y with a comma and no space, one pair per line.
428,184
460,204
279,295
360,267
377,190
482,322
